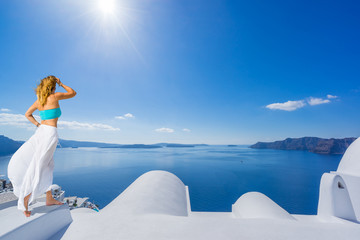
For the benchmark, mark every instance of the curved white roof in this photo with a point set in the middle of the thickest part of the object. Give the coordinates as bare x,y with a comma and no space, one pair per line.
55,186
154,192
258,205
350,162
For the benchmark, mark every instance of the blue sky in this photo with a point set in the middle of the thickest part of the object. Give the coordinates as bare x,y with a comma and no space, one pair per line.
189,71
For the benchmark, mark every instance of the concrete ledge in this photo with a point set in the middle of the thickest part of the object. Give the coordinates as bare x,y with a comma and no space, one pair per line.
44,222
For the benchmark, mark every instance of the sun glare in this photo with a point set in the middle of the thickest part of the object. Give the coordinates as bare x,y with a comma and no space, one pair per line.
112,22
107,6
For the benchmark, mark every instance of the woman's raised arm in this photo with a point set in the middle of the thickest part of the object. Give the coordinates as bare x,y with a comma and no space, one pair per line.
69,91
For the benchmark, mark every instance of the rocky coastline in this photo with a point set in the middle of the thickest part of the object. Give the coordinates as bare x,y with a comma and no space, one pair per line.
311,144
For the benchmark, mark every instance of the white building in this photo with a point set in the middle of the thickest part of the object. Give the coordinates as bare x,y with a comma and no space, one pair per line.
2,184
75,202
57,193
157,206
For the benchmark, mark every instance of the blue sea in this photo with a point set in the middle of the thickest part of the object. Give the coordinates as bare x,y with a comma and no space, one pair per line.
216,175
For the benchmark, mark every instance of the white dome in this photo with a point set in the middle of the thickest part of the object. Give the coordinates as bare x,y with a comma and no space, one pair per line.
154,192
55,187
350,162
258,205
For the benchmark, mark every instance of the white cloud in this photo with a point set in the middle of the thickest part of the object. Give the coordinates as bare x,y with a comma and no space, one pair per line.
165,130
186,130
5,110
331,96
125,116
287,106
86,126
317,101
293,105
19,120
37,117
11,119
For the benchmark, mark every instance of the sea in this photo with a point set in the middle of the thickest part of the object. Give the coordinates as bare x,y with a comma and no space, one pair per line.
216,175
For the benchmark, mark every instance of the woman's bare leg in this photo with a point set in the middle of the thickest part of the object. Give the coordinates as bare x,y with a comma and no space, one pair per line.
26,201
50,200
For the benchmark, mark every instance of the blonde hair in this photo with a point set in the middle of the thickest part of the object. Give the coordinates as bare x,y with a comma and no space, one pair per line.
45,88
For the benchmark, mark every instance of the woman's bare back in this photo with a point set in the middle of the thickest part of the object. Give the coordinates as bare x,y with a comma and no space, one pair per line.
51,103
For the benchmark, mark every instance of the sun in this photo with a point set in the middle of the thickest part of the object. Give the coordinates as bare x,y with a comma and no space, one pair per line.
107,6
112,22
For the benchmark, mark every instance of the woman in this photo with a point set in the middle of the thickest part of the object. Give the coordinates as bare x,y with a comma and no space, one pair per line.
31,167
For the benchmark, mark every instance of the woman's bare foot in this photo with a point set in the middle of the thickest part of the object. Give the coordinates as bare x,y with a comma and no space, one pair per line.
53,202
50,200
27,213
26,201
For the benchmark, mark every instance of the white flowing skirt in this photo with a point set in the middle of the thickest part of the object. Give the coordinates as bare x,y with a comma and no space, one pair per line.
30,169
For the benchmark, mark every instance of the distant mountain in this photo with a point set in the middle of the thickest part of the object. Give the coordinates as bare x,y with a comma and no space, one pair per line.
8,146
311,144
173,145
75,144
132,146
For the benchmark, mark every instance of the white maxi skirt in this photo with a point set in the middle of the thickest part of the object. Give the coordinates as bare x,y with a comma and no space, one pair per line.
30,169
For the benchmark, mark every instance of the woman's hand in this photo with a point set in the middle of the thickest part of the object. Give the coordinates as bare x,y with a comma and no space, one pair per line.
58,81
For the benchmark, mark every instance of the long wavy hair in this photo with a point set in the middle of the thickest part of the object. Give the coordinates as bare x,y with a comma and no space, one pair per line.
45,88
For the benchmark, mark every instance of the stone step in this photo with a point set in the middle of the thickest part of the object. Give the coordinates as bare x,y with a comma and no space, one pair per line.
44,222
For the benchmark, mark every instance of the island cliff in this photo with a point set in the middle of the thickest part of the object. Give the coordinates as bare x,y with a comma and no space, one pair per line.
8,146
311,144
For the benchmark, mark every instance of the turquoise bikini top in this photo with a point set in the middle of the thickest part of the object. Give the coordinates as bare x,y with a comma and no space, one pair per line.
50,113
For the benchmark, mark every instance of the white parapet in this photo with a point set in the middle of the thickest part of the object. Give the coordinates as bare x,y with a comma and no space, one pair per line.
155,192
258,205
339,191
334,198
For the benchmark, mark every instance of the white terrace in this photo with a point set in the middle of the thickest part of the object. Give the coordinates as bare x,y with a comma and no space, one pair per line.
157,206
